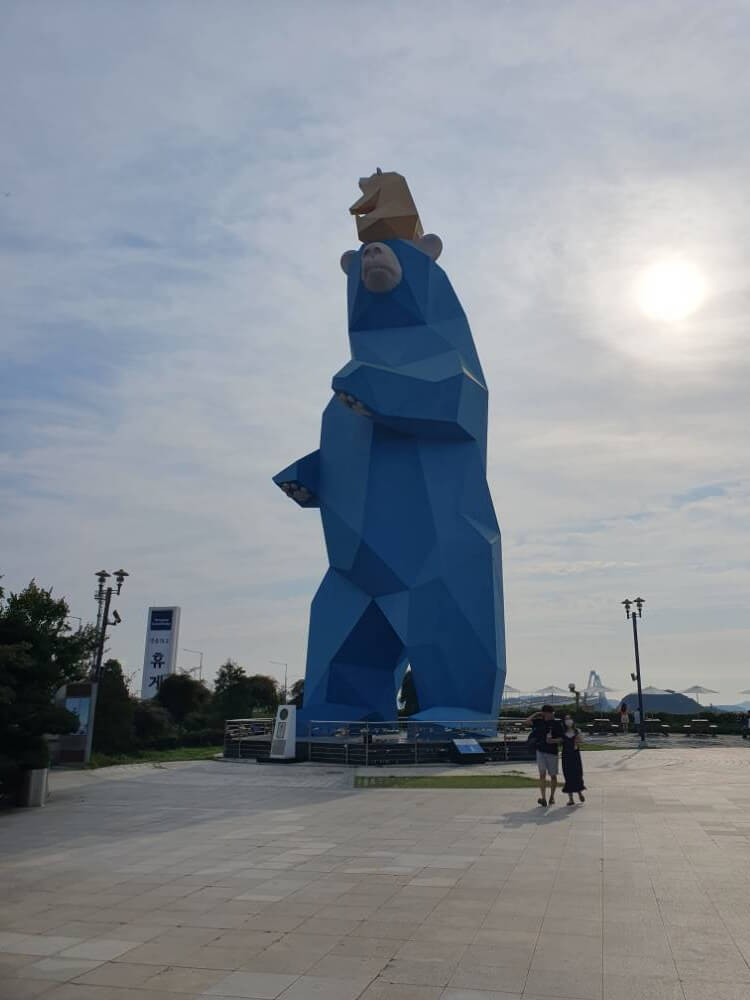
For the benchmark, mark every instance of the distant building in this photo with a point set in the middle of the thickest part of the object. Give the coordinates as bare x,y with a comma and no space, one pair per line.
672,702
595,693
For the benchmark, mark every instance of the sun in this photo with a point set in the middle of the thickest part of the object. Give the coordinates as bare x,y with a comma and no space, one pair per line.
670,289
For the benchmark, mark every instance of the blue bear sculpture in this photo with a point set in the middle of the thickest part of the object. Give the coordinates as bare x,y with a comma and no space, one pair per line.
415,576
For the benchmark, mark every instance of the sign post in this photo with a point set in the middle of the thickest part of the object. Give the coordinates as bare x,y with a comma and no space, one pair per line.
284,739
160,657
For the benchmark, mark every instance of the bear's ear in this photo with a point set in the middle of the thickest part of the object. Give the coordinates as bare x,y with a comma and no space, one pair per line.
346,260
430,244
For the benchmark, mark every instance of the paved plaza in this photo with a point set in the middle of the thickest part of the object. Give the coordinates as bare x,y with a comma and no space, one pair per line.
214,879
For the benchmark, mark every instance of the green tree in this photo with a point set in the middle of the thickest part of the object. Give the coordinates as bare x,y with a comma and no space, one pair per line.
152,724
265,692
297,693
238,696
38,654
113,723
181,695
234,697
228,674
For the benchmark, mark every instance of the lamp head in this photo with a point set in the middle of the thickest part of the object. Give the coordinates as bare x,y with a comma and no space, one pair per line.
627,604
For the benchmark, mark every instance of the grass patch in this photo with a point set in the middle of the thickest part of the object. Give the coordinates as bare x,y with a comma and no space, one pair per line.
445,781
155,756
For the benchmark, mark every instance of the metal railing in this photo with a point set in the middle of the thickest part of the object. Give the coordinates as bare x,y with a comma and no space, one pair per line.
245,737
400,741
407,741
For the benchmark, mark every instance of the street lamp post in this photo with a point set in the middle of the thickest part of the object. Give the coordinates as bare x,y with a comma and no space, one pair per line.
279,663
104,598
634,616
577,694
198,652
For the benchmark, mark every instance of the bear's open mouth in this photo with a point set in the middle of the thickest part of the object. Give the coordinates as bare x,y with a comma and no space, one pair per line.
365,205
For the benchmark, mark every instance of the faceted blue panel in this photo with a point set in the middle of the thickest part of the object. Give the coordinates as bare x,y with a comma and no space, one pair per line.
413,544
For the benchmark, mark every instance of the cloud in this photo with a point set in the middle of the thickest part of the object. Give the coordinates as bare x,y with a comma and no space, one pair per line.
173,309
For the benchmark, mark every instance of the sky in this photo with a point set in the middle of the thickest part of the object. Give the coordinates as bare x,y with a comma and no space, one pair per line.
174,187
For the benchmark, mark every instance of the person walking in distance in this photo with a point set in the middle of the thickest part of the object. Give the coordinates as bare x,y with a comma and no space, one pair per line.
547,732
571,761
624,717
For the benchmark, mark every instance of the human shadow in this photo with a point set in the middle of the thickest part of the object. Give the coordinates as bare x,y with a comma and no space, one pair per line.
538,815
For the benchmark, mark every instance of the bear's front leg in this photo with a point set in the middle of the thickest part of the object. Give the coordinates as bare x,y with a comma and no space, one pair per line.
435,397
300,480
351,388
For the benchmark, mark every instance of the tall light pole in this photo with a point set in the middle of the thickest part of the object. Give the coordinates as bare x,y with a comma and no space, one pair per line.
634,616
104,598
279,663
577,694
198,652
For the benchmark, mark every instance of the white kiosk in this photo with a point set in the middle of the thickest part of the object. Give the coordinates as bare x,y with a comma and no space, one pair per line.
284,739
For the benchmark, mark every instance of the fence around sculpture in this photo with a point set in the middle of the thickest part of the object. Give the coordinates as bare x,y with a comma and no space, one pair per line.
400,741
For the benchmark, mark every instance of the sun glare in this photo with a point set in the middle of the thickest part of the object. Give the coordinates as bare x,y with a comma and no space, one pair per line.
670,290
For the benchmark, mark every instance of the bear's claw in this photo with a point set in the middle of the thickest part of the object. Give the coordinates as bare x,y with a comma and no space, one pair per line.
354,404
296,491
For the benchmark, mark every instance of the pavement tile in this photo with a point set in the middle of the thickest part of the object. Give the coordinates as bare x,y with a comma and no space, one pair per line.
721,970
381,990
431,951
383,885
637,987
424,972
366,947
452,994
258,985
280,959
256,939
347,967
577,985
59,970
101,949
9,961
508,978
24,989
703,989
184,980
35,944
320,988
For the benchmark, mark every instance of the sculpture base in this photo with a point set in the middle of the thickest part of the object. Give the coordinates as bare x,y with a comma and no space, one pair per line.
356,753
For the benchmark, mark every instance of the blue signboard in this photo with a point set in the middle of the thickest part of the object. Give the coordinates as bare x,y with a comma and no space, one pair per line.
467,746
161,621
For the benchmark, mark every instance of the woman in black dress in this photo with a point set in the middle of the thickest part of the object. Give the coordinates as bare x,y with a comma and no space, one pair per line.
571,761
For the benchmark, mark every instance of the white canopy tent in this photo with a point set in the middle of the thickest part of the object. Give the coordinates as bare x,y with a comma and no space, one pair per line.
697,690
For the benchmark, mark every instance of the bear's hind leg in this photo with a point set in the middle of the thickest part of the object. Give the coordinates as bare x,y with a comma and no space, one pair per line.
354,656
456,676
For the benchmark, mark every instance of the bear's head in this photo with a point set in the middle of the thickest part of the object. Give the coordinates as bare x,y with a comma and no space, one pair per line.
386,210
380,268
